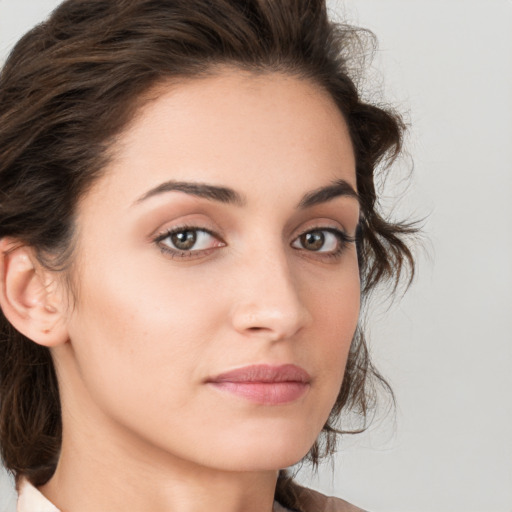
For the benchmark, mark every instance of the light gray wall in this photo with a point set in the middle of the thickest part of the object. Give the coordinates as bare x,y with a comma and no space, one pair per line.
447,346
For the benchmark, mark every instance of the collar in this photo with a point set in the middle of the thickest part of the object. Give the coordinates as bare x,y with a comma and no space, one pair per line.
31,500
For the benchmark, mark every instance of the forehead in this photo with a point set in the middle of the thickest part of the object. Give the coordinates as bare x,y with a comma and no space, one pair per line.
235,128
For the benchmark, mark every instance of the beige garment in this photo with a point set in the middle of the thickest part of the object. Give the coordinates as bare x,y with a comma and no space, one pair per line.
313,501
31,500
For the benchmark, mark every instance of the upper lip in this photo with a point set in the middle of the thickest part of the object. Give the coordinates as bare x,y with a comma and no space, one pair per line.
264,373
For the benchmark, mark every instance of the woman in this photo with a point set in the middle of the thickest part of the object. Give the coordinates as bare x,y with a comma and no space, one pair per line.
188,226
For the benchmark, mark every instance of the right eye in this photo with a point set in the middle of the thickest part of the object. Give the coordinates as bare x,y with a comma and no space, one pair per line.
188,241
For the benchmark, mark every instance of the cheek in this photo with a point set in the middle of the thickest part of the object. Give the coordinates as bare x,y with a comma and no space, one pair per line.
334,302
139,329
335,308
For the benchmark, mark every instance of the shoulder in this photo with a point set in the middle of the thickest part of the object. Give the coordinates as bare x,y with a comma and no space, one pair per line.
313,501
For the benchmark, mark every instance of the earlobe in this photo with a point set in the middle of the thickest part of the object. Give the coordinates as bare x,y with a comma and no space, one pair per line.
29,295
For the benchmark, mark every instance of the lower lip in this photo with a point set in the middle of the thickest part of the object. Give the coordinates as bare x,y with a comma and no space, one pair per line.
265,393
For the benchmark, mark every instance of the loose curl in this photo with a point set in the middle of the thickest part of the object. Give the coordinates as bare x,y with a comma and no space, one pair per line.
74,82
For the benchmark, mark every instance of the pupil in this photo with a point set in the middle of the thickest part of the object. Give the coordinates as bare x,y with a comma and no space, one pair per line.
313,241
184,240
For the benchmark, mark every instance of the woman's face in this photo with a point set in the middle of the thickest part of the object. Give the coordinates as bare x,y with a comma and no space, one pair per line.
218,284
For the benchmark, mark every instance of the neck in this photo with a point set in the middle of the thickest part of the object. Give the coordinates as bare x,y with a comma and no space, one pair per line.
100,479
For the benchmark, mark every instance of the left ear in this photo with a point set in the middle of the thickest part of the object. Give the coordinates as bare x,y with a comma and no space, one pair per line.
31,297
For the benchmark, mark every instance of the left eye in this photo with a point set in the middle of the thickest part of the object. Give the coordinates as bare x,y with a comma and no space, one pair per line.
320,240
188,240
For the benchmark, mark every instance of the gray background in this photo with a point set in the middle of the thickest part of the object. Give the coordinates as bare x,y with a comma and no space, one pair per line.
447,346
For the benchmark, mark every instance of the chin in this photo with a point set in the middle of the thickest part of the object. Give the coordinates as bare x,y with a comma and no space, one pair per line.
265,451
262,461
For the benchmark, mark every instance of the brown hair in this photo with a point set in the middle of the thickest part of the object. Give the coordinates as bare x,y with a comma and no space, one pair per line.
74,82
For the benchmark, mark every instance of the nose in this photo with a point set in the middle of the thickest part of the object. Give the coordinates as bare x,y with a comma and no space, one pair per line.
267,300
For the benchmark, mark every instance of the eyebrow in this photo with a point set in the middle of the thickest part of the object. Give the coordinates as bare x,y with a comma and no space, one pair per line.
203,190
338,188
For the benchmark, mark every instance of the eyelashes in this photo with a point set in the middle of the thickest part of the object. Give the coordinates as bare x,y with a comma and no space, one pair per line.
189,242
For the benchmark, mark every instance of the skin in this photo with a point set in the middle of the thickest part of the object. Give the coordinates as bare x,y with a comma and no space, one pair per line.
143,430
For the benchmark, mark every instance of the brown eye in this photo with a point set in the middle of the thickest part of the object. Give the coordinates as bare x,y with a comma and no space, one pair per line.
188,241
184,240
326,240
312,241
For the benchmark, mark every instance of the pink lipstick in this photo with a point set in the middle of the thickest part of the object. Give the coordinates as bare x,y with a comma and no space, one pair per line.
264,384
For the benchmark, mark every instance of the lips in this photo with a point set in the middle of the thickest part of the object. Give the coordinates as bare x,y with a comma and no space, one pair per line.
264,384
